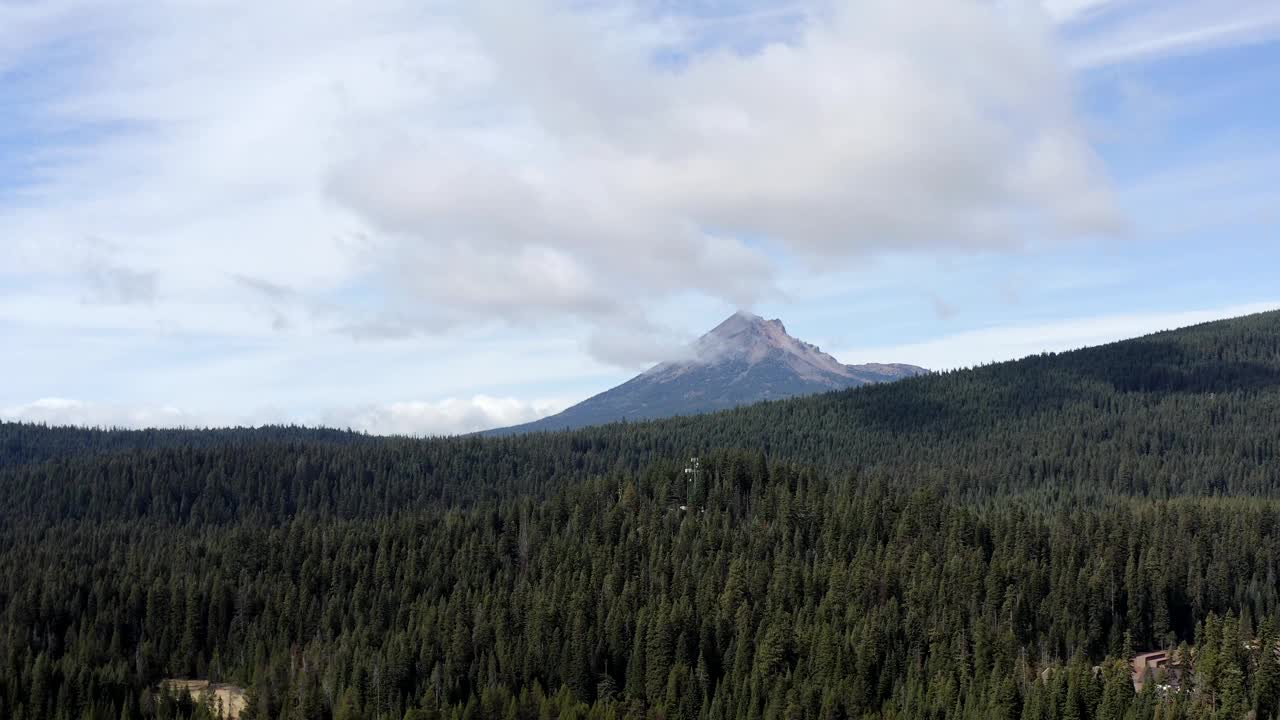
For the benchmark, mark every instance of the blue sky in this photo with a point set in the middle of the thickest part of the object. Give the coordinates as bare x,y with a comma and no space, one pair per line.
434,217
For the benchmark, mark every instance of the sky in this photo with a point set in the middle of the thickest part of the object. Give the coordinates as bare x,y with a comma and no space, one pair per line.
421,217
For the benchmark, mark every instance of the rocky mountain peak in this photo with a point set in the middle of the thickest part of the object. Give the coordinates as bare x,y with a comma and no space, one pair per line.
748,338
744,359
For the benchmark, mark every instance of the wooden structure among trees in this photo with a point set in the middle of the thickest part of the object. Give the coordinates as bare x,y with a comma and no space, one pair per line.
1148,666
227,700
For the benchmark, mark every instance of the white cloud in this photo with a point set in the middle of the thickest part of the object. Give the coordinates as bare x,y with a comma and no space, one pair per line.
442,417
65,411
116,284
531,163
638,343
975,347
1067,11
1143,30
448,416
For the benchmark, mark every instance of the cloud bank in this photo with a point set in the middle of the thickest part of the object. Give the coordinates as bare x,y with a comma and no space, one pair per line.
66,411
606,179
448,416
538,163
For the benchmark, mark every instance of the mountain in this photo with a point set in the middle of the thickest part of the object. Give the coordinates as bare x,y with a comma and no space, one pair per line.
743,360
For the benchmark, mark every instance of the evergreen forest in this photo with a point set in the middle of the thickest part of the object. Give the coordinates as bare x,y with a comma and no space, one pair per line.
995,542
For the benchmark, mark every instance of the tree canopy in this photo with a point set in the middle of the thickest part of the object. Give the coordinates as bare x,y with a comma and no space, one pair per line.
993,542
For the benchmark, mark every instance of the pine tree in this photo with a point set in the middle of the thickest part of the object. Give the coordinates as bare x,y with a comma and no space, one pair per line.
1266,701
1117,691
657,653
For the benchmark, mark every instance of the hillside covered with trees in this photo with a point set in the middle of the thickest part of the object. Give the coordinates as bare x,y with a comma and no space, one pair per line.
992,542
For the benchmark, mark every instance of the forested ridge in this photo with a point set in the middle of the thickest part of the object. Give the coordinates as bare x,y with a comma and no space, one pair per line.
971,544
30,443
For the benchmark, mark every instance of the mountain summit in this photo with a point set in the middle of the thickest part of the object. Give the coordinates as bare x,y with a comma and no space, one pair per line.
743,360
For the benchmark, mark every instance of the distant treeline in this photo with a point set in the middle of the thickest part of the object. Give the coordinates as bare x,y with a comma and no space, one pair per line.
26,443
